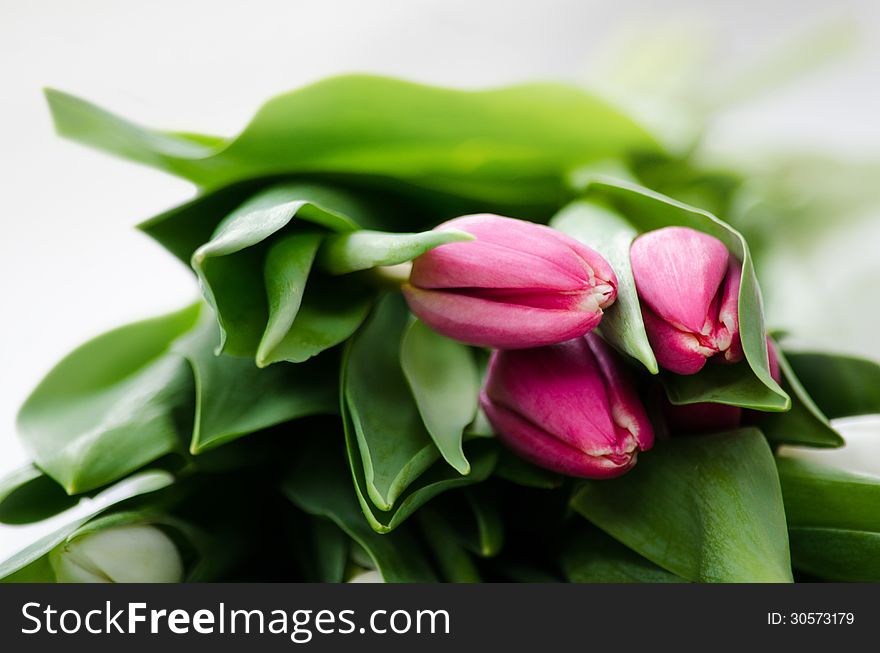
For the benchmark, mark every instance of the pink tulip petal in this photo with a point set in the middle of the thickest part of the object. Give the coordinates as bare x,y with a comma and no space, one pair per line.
676,351
728,314
627,411
773,361
565,254
483,264
678,272
488,323
541,448
559,387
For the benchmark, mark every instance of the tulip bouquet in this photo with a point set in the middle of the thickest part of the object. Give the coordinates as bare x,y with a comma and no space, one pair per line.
442,336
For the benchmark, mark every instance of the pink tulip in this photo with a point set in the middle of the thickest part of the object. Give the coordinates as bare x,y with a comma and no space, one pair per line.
568,407
688,284
517,285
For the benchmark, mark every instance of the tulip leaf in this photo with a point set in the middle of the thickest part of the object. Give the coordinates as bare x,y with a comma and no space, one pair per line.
330,547
286,271
184,228
836,555
233,397
611,235
708,509
592,556
748,384
435,480
454,562
833,518
471,143
804,423
42,537
362,250
254,316
516,470
445,382
841,386
331,311
821,496
395,448
112,405
319,486
27,495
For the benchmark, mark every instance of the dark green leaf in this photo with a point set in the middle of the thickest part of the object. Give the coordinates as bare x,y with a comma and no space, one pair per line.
28,495
705,508
840,385
320,486
233,397
445,383
821,496
838,555
834,520
611,235
112,405
516,470
804,423
591,556
454,562
437,479
394,447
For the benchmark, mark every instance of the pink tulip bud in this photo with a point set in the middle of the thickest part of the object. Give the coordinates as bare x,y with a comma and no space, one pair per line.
517,285
688,284
568,407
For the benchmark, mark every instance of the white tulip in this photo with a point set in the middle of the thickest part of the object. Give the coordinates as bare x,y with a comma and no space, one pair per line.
860,454
124,554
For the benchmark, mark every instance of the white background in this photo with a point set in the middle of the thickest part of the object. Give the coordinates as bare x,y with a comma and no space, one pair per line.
70,263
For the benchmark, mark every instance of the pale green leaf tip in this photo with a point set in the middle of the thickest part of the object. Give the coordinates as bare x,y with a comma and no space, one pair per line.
454,235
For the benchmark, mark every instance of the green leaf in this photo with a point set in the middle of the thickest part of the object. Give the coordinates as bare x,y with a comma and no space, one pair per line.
437,479
319,486
287,268
489,532
841,386
362,250
231,266
822,496
834,521
331,311
184,228
394,446
45,536
611,235
27,495
748,384
516,470
838,555
445,382
112,405
454,562
233,397
804,423
707,508
330,545
591,556
471,143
